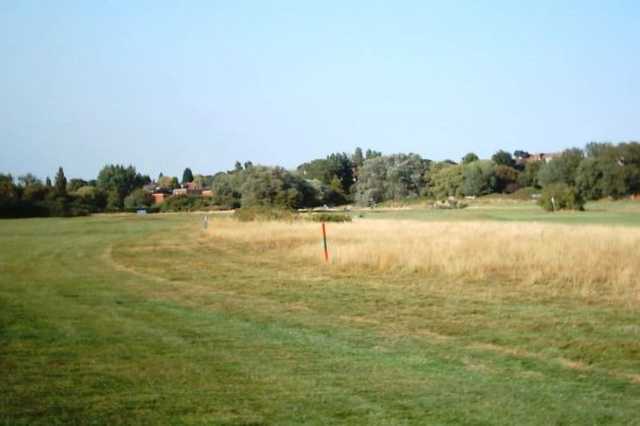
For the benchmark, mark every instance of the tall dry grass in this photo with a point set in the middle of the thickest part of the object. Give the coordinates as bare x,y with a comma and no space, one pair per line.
592,259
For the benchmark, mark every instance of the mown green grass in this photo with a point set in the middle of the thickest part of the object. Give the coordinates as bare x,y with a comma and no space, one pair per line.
146,320
625,213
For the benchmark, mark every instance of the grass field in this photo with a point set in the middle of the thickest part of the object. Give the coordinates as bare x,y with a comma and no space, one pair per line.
151,320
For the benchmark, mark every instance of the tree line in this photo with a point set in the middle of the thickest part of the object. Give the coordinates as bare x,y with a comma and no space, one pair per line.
364,177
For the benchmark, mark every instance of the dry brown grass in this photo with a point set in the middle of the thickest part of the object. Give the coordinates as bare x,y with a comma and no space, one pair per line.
591,259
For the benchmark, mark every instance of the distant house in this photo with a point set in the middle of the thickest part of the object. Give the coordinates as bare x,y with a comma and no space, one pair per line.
159,197
180,191
207,193
541,156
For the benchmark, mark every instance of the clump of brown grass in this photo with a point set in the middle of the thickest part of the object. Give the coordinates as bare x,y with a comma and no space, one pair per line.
591,259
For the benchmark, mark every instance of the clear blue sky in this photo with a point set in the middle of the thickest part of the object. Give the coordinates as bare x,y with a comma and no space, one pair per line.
165,85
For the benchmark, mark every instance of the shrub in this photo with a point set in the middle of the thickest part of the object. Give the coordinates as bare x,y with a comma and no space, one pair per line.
261,213
526,193
186,203
330,217
560,196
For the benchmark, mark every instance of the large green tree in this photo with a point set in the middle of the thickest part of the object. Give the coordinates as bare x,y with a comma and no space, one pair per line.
503,158
561,169
479,178
187,176
391,177
119,181
60,186
335,165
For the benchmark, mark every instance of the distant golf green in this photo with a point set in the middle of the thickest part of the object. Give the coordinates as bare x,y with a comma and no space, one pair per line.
601,212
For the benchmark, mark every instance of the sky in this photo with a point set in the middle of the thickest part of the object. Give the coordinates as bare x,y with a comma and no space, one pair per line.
201,84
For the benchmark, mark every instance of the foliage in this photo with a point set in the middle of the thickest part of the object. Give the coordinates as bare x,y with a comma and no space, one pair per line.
506,179
335,166
93,198
75,183
446,180
503,158
479,178
390,177
275,187
138,199
186,203
560,196
609,170
525,193
358,157
470,158
529,175
263,213
60,186
226,189
168,183
372,154
119,181
187,176
561,169
330,217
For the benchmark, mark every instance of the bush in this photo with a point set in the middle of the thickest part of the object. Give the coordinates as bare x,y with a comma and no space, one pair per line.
526,193
186,203
449,204
560,196
330,217
250,214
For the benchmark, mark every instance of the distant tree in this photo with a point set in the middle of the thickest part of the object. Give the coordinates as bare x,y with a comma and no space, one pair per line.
521,155
274,187
529,175
446,180
561,169
248,165
75,183
238,166
138,199
187,176
479,178
506,179
372,154
324,170
8,194
93,198
226,189
391,177
199,182
608,171
48,182
118,182
503,158
168,182
560,196
60,183
29,180
357,158
469,158
34,192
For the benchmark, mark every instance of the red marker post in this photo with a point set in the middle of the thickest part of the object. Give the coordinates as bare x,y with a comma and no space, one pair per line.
324,241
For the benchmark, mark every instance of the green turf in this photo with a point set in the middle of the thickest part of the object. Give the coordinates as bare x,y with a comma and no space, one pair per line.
596,213
141,320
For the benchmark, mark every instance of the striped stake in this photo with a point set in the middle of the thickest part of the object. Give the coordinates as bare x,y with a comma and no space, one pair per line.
324,241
